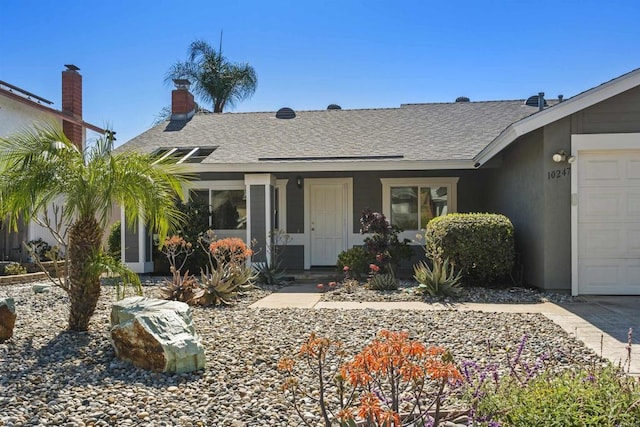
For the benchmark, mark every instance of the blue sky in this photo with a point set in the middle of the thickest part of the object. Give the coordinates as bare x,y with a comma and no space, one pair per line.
308,54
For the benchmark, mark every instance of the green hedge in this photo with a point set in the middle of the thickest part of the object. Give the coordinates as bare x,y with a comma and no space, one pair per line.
480,245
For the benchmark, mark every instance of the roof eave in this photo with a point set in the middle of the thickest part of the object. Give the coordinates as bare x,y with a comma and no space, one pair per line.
60,114
331,166
559,111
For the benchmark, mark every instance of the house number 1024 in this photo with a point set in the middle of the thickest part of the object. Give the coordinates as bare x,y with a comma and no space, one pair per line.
558,173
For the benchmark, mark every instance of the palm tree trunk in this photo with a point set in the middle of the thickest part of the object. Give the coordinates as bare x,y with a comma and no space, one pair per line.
84,286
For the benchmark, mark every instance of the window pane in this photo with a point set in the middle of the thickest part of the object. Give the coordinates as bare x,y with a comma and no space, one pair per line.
201,196
433,202
404,207
229,208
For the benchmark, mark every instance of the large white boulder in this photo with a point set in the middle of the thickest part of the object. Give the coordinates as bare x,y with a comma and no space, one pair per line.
156,335
7,318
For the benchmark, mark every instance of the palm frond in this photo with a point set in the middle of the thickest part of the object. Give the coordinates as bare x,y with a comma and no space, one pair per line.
103,263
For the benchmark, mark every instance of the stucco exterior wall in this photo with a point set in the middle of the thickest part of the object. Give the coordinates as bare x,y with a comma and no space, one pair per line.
620,114
535,192
515,189
556,183
15,116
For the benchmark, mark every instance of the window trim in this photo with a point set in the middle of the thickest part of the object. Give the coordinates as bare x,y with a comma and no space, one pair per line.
452,194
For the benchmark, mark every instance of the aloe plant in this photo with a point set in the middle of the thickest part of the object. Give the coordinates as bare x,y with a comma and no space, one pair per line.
441,280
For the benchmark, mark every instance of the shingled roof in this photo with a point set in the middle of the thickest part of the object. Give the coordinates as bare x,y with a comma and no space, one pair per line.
437,133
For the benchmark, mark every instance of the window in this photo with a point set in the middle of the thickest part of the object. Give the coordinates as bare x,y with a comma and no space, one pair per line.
410,203
280,205
229,209
227,203
185,154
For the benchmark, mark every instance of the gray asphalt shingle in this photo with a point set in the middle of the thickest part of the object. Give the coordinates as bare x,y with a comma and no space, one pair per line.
418,132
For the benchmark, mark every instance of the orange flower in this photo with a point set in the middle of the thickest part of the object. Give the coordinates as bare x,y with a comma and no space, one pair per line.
374,268
369,406
231,245
286,364
344,415
175,242
389,418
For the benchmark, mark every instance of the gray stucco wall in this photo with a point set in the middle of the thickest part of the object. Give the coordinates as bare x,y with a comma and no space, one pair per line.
535,192
515,190
557,207
620,114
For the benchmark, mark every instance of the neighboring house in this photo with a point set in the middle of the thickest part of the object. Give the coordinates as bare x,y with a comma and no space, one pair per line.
567,174
20,110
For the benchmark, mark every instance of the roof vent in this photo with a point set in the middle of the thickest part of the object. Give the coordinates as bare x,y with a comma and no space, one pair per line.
285,113
532,101
462,99
334,107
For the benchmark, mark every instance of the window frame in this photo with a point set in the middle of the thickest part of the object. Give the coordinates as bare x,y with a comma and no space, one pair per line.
452,195
221,186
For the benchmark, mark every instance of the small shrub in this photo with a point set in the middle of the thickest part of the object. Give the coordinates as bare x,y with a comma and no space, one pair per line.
113,241
383,244
39,248
524,394
349,283
480,245
357,259
441,280
14,268
601,396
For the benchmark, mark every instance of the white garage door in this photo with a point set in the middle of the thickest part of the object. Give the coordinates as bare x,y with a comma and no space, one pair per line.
609,222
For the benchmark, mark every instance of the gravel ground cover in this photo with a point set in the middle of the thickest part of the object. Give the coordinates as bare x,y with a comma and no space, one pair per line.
49,376
407,291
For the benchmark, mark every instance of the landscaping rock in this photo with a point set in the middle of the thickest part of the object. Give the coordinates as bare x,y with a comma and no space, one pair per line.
156,335
7,318
41,288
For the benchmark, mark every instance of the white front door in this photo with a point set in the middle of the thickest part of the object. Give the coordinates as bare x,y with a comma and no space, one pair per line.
328,222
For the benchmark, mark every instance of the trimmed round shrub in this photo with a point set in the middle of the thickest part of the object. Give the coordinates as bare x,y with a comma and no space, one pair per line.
480,245
357,259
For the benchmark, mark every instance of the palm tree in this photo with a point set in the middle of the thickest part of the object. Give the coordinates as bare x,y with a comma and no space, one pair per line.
41,167
215,79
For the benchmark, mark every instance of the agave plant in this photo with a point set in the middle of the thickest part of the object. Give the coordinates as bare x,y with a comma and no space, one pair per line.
270,273
441,280
383,282
182,288
227,276
223,283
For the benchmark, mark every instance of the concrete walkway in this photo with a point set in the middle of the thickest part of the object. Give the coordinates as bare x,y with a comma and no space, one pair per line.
601,322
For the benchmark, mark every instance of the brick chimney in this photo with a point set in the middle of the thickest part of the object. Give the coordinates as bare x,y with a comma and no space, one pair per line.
182,105
72,103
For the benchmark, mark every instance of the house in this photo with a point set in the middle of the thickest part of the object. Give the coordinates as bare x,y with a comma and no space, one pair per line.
19,110
566,172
